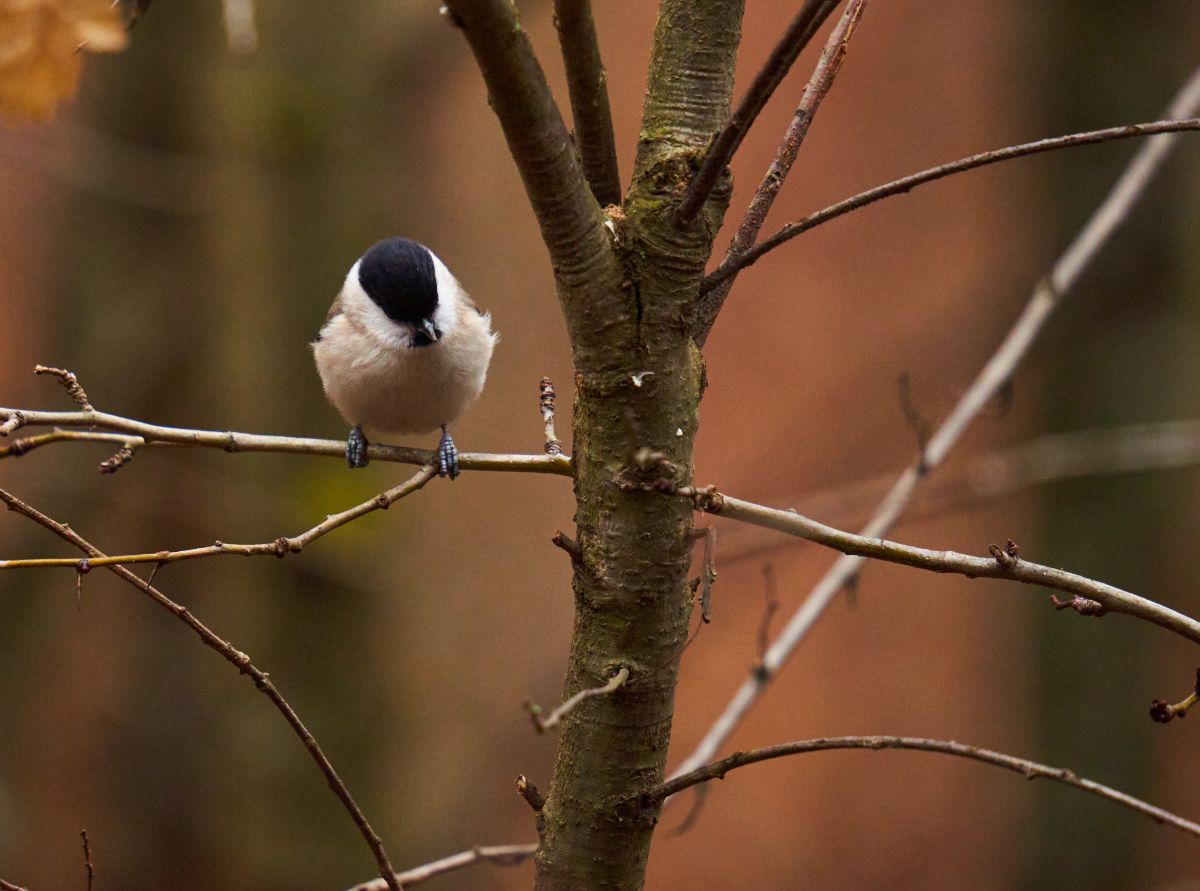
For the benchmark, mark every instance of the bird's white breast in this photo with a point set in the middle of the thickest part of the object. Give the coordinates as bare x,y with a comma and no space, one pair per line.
375,378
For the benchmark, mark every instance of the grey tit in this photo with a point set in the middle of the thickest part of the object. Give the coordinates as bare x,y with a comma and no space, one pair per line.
403,348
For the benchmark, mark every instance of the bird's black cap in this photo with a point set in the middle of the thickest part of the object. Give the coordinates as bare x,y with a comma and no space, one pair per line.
398,275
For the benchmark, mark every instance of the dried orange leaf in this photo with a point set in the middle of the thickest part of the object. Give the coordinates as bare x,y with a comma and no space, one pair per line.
39,50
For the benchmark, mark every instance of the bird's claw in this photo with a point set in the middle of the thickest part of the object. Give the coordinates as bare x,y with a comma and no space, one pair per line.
356,449
447,456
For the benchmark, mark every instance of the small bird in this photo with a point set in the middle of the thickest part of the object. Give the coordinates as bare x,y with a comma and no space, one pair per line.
403,348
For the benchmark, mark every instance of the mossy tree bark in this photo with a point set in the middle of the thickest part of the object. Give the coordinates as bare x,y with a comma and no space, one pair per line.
628,292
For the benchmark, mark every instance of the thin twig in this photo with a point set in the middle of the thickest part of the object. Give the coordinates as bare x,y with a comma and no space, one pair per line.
555,717
1031,770
143,434
498,855
546,396
983,478
913,417
732,266
572,226
770,607
708,572
587,85
996,372
117,459
1004,563
238,660
561,540
70,384
1163,711
9,886
87,859
26,444
530,793
280,547
830,63
693,815
810,17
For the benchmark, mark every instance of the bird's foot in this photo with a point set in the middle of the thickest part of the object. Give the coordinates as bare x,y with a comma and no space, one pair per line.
447,455
356,449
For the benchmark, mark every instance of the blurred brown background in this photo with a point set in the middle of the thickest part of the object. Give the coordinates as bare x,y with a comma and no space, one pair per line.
175,237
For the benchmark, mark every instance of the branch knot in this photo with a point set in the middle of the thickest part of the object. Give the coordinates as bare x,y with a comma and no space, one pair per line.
1085,606
1007,556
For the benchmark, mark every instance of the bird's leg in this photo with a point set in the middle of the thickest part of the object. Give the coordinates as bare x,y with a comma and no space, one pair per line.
447,455
356,448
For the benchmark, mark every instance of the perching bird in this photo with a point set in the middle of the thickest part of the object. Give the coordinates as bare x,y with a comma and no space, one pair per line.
403,349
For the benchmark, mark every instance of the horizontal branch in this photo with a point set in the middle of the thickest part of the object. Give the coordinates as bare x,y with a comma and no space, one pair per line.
498,855
1003,564
239,660
140,433
280,547
998,473
1031,770
733,265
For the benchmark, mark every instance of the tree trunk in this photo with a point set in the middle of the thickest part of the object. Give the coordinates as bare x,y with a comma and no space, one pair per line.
627,280
639,378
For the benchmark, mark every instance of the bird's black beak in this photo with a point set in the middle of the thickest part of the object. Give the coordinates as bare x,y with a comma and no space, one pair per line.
427,332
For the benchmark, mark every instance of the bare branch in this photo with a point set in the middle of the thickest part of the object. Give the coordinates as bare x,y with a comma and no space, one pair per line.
588,88
499,855
9,886
139,433
70,384
819,84
87,859
1000,472
770,607
1031,770
1004,563
546,397
994,375
555,717
530,793
238,660
585,266
26,444
708,571
561,540
810,17
15,420
280,547
732,266
1164,712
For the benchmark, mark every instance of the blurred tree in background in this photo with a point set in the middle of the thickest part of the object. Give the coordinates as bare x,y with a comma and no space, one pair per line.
175,236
